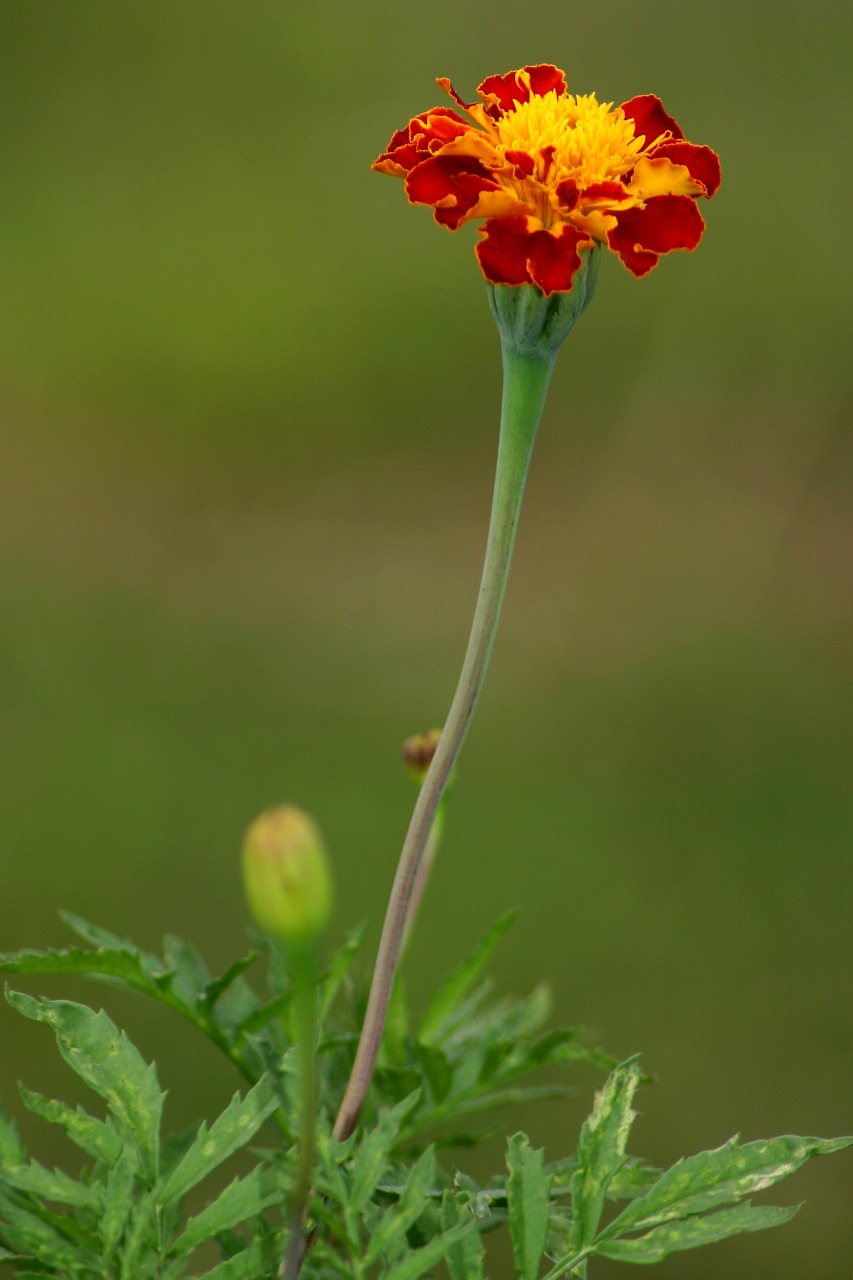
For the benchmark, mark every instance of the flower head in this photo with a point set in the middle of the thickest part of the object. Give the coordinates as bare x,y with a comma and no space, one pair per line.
555,173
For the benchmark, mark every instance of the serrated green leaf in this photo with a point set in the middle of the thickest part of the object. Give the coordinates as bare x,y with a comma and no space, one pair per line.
218,986
51,1184
188,973
122,966
713,1178
12,1151
264,1014
109,1064
98,1138
35,1237
259,1259
374,1151
396,1220
464,1258
437,1071
528,1192
633,1179
690,1233
460,982
560,1047
139,1258
339,966
236,1126
418,1261
489,1100
395,1036
601,1149
330,1156
94,933
233,1008
119,1202
242,1199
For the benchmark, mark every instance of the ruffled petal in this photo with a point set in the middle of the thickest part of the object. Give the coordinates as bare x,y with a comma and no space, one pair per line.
666,223
523,163
658,176
475,110
422,136
457,187
649,118
505,92
605,195
520,250
702,163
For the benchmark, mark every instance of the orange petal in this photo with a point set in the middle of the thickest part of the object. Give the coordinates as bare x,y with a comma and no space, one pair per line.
660,177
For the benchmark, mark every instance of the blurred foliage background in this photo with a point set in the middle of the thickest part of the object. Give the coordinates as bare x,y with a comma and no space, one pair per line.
249,403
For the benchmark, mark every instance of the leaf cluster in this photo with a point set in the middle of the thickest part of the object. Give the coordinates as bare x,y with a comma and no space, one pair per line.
383,1203
124,1215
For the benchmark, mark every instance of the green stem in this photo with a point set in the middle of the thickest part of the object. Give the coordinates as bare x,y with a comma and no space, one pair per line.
305,972
525,386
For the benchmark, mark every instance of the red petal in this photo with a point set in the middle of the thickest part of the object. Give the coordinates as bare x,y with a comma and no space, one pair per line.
422,135
702,163
507,90
503,250
444,83
522,163
649,117
555,258
568,193
544,78
451,179
517,251
598,191
666,223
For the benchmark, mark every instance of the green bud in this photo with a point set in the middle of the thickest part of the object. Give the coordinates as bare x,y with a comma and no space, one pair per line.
286,875
418,752
532,324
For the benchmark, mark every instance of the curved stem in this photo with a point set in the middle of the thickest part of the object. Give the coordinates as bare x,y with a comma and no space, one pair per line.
525,386
422,874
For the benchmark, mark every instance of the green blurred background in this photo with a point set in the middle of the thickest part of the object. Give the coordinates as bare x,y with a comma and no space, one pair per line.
249,402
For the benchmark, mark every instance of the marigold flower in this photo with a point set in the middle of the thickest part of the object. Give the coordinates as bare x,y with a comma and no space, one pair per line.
554,173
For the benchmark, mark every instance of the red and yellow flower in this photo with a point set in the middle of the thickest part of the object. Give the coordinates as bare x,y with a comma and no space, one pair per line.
554,173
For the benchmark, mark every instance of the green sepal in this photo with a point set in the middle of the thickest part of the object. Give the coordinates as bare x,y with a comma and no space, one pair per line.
533,325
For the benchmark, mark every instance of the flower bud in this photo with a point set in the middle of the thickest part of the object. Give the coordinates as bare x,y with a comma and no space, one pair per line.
418,752
286,875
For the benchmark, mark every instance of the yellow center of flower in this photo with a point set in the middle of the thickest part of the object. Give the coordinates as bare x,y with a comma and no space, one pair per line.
592,141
